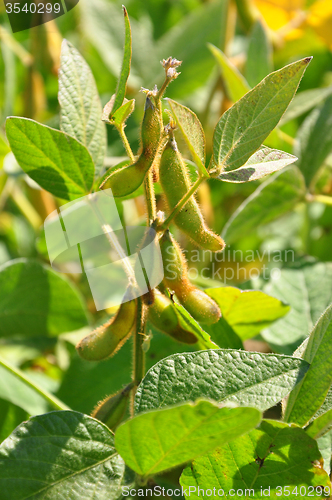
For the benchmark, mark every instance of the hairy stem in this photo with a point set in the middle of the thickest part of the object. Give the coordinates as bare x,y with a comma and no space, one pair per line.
126,143
138,353
150,197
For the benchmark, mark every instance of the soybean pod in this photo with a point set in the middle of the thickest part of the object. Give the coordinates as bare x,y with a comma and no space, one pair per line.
175,182
198,304
108,338
127,179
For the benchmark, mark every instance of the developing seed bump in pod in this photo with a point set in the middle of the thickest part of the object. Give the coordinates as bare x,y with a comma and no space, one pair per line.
127,179
174,179
110,337
198,304
164,317
113,408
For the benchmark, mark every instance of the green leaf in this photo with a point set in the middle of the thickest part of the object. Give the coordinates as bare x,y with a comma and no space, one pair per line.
249,311
236,85
304,101
307,288
224,375
158,440
192,132
125,70
34,300
20,390
81,110
314,140
275,197
264,162
60,455
318,378
243,128
259,58
55,160
270,461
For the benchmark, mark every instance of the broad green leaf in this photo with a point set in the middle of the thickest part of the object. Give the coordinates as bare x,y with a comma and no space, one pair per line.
259,58
307,288
320,426
60,455
275,197
264,162
314,140
305,101
55,160
80,107
249,311
192,132
318,379
158,440
272,461
10,417
19,389
224,375
235,84
243,128
125,70
34,300
85,382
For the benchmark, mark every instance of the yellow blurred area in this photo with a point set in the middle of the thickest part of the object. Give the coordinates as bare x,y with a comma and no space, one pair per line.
292,19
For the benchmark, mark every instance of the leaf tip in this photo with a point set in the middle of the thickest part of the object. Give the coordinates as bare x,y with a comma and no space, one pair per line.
125,12
307,60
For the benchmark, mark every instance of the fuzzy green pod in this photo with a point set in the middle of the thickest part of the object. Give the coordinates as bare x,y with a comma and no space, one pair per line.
127,179
113,408
163,316
198,304
108,338
174,179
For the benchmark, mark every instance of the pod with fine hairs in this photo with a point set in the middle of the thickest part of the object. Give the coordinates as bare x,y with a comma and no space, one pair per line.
108,338
198,304
127,179
113,408
175,182
164,317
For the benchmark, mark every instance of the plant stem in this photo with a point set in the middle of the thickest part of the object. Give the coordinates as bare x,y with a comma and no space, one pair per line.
126,143
138,354
52,400
322,198
178,207
247,12
150,197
